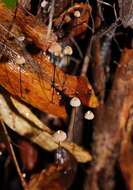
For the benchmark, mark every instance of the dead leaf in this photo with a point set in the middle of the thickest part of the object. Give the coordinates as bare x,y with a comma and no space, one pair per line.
35,131
59,176
32,81
72,26
78,151
34,29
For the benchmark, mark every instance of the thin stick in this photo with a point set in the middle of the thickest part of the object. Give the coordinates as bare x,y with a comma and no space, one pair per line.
104,3
72,125
50,19
24,184
86,60
78,48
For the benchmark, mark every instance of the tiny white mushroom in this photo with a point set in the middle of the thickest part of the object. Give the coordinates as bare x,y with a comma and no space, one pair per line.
21,38
48,57
20,60
89,115
59,136
75,102
44,3
24,175
44,52
77,14
55,49
68,50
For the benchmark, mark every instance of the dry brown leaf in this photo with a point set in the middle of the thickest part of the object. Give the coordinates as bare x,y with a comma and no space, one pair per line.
35,132
78,151
74,25
32,80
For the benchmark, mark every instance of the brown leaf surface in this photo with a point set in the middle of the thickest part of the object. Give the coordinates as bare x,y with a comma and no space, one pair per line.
26,124
33,80
35,29
59,176
73,25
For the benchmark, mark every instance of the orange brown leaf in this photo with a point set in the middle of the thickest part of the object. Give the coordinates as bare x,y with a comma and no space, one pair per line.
32,80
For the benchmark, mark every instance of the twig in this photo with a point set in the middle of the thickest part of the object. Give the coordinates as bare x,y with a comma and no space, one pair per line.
50,19
86,60
24,184
71,127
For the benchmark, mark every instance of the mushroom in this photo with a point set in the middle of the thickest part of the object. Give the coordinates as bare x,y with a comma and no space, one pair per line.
75,102
59,136
20,60
77,14
67,50
89,115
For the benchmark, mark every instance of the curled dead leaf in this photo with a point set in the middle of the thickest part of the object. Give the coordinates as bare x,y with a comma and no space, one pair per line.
74,20
32,81
35,131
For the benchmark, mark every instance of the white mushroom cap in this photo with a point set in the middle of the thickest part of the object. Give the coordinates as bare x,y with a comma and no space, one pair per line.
75,102
59,136
20,60
21,38
44,3
24,175
67,50
55,49
77,14
89,115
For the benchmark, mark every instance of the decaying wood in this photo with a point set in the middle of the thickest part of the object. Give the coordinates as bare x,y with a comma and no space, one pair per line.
98,68
109,124
32,81
126,12
126,152
23,122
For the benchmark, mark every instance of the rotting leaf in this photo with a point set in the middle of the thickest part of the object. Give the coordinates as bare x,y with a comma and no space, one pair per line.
36,132
59,176
79,153
72,26
34,29
32,81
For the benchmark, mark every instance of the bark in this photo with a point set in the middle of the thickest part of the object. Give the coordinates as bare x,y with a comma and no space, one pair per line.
110,121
